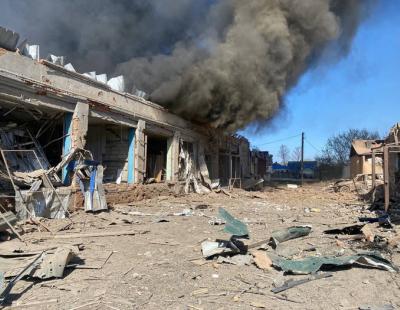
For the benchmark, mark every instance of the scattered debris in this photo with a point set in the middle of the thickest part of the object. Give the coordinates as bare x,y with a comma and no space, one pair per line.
161,220
7,220
2,281
313,264
382,220
216,221
346,230
201,291
92,260
383,307
361,183
212,248
185,212
292,186
368,233
312,210
98,234
33,304
25,271
200,207
293,283
253,184
258,305
198,262
54,263
48,264
233,226
289,233
262,260
239,260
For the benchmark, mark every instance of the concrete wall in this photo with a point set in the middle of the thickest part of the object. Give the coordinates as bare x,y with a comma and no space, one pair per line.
55,80
363,165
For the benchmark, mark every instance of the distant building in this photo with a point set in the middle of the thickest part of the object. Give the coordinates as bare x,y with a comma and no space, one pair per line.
309,170
261,161
293,170
278,168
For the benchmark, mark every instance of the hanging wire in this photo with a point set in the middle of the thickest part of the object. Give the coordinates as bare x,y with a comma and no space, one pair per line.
280,140
314,147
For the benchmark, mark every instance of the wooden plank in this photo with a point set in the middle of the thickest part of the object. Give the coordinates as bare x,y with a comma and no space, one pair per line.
386,176
99,234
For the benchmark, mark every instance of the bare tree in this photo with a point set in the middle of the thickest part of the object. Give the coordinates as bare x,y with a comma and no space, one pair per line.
296,154
337,149
283,154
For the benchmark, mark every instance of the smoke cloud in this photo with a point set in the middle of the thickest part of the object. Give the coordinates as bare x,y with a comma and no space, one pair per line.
226,63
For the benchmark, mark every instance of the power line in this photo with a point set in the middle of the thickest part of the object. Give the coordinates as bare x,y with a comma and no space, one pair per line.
280,140
315,148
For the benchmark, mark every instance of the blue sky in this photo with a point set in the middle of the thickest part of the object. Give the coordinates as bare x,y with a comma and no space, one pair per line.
362,90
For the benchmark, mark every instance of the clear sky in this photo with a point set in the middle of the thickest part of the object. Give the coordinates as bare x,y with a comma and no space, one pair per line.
360,91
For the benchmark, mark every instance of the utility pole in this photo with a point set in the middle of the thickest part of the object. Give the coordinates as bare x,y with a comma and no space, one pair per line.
302,158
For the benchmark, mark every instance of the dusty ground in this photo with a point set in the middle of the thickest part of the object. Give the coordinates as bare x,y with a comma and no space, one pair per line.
164,269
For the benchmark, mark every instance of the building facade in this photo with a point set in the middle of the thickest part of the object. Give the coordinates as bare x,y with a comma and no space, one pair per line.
135,140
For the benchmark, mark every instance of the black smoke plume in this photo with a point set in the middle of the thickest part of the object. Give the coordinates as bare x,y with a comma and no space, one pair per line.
226,63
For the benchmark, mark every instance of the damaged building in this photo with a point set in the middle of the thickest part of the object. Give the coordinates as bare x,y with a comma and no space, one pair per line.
361,157
63,134
390,152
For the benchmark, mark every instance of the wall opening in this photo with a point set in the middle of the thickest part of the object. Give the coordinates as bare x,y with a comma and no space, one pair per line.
156,158
236,171
109,145
224,169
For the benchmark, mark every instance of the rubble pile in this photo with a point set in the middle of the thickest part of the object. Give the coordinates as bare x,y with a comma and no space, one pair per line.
37,186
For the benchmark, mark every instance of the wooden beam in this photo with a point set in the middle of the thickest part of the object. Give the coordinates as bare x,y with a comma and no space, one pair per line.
386,176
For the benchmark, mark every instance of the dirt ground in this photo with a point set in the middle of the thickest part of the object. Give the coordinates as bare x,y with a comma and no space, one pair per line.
161,267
